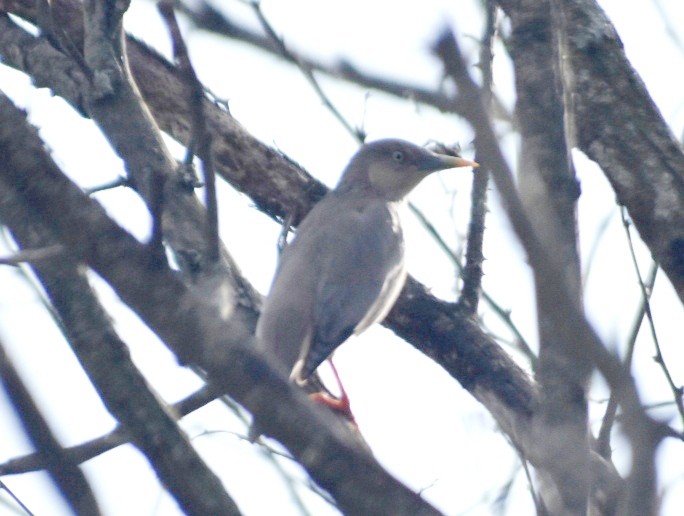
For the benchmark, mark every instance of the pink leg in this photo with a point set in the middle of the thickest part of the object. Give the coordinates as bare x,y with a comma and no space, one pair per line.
340,404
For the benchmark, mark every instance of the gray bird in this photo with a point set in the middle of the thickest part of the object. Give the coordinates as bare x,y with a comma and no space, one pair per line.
345,267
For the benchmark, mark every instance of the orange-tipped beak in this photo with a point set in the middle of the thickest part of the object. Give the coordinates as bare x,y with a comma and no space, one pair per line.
455,161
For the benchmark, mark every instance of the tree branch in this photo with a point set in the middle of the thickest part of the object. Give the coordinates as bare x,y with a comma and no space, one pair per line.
200,140
618,125
66,474
549,192
472,270
106,359
118,436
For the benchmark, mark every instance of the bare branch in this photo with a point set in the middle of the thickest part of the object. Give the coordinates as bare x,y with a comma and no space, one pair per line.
16,499
619,126
472,271
99,445
200,140
106,359
357,133
33,255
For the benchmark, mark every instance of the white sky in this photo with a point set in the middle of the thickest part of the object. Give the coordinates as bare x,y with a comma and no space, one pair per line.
420,423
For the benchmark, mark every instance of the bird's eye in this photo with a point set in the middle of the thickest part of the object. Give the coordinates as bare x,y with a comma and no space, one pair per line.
398,156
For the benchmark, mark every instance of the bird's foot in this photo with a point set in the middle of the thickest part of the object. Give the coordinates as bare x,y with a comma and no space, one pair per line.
340,405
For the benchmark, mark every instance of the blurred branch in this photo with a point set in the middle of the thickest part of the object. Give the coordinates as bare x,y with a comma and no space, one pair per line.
548,191
116,183
206,17
670,29
618,125
120,435
106,360
33,255
603,439
595,245
66,474
200,139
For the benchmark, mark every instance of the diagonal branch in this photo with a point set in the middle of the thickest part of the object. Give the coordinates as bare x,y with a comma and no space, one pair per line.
106,359
118,436
66,474
200,141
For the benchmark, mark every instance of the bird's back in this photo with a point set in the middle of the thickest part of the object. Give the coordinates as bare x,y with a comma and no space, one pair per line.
347,253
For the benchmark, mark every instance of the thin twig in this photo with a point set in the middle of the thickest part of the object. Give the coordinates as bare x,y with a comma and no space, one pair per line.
357,133
16,499
204,16
502,313
672,32
200,139
116,183
32,255
595,245
660,360
272,455
472,271
603,439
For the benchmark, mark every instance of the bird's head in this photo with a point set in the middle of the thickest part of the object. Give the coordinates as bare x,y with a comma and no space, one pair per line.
392,168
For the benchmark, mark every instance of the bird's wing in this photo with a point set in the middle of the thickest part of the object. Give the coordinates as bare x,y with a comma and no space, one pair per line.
360,274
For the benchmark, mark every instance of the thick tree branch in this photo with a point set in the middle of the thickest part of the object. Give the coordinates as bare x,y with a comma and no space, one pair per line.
549,191
617,124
